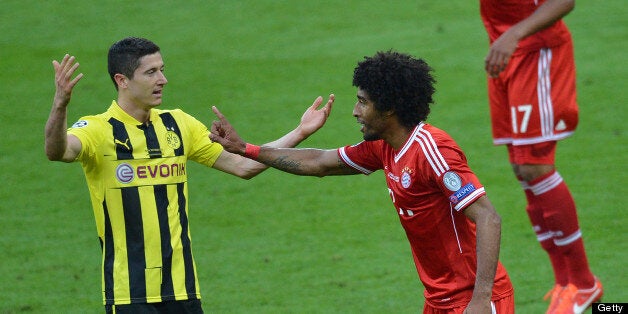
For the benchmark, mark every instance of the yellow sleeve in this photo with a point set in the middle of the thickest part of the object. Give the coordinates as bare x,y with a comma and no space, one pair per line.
199,147
88,130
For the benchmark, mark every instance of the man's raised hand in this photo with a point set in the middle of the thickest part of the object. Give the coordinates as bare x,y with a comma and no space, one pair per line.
223,133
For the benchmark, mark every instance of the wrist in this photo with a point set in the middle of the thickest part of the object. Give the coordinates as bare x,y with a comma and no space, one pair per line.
251,151
299,134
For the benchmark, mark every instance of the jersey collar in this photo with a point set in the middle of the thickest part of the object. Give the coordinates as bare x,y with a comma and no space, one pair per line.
409,141
116,111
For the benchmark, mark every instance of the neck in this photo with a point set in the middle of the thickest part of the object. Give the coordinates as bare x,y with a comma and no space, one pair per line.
141,114
398,136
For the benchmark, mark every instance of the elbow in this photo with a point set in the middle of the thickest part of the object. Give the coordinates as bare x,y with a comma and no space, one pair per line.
56,155
247,176
570,5
495,222
495,219
53,155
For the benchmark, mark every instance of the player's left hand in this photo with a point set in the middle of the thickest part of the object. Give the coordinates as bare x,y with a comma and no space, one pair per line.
314,118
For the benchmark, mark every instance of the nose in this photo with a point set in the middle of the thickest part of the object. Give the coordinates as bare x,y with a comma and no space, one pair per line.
355,109
163,78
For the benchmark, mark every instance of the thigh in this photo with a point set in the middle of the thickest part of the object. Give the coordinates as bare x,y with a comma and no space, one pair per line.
501,125
533,154
542,95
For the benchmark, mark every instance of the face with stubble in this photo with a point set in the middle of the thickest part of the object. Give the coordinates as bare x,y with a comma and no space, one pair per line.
373,121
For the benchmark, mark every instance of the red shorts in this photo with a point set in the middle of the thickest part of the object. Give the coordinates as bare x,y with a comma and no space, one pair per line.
534,99
505,305
533,154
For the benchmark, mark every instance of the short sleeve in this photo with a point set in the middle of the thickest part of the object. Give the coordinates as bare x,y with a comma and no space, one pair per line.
88,130
458,182
364,156
201,148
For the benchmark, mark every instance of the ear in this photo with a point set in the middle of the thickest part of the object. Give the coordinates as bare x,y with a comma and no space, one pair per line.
121,80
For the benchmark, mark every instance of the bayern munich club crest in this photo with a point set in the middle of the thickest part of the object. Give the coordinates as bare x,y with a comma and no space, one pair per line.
406,178
124,173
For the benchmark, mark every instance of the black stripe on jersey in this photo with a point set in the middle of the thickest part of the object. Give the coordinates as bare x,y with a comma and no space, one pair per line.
152,144
124,149
134,243
171,125
162,202
190,282
109,257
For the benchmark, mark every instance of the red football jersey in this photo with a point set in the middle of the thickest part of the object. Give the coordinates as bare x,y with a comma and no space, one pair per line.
534,99
499,15
431,184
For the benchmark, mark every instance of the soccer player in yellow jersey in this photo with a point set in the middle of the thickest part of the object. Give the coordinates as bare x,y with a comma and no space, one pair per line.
135,161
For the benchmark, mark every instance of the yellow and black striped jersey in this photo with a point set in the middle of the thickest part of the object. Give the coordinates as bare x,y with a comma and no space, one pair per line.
137,178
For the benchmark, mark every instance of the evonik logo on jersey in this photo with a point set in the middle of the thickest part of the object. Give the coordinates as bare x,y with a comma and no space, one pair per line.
125,173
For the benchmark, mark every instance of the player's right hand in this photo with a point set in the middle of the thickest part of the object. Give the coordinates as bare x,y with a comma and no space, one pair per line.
64,82
223,133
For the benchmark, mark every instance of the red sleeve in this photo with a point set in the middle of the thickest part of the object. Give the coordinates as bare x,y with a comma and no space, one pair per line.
364,156
459,183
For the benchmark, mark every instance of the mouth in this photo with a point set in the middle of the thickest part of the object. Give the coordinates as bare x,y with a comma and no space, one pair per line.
362,126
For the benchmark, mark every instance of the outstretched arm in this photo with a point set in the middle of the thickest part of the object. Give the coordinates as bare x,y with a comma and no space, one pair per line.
488,231
502,49
59,146
232,161
305,161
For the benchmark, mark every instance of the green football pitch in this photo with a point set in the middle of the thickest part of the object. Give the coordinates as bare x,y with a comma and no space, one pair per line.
280,243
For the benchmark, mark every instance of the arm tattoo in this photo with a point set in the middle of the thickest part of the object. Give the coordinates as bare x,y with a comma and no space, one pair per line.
283,163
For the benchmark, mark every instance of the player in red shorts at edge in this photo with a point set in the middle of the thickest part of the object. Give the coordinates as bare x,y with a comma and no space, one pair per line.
453,229
532,95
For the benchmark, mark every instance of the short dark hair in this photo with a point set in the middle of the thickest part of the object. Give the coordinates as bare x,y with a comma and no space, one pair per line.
124,56
398,82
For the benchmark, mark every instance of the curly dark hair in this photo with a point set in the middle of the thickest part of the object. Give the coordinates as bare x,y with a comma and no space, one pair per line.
398,82
124,56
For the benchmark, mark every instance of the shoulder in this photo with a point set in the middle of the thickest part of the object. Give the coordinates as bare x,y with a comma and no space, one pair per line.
173,112
91,121
439,145
440,136
177,113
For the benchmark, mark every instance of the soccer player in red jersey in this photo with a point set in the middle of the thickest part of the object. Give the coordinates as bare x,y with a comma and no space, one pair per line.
453,229
532,95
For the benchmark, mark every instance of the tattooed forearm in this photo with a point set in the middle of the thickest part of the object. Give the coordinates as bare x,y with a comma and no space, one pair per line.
285,164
